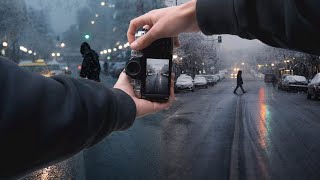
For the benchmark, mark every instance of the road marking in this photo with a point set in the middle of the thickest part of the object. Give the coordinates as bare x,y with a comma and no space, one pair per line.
234,161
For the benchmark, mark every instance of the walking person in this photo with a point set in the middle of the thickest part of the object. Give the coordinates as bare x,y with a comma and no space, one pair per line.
239,83
90,68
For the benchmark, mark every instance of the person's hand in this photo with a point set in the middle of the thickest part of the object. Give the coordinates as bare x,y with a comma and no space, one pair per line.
143,107
163,23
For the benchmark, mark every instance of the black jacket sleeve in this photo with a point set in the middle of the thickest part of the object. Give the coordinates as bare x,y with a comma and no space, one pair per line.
47,120
281,23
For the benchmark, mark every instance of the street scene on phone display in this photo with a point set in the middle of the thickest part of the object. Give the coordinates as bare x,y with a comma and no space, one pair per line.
157,76
243,109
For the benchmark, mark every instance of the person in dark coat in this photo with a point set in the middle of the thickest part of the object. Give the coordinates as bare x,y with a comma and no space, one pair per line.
90,66
239,83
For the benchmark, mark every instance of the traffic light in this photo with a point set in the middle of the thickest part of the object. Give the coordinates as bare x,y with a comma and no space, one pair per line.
87,36
219,39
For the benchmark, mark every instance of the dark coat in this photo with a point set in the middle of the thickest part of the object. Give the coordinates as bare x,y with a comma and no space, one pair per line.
47,120
239,80
280,23
90,66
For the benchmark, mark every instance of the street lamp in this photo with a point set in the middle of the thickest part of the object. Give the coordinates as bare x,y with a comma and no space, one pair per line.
120,47
175,56
62,45
97,15
101,52
114,49
103,3
105,51
272,65
30,52
242,64
58,54
34,53
53,54
109,50
5,44
92,22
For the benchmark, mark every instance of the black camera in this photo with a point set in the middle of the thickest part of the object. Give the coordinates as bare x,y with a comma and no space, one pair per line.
150,69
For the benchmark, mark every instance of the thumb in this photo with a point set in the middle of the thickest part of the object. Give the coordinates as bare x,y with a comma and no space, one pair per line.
123,78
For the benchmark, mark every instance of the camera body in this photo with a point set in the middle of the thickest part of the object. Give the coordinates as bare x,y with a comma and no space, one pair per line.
150,69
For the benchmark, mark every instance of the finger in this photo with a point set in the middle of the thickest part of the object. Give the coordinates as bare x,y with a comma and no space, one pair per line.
136,23
147,27
147,39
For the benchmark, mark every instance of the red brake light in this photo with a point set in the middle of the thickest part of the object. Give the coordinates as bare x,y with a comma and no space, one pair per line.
79,67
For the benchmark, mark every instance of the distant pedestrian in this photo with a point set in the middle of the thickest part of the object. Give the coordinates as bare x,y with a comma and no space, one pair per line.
239,83
90,66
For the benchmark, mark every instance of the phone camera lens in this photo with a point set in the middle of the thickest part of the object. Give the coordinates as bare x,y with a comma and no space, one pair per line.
133,68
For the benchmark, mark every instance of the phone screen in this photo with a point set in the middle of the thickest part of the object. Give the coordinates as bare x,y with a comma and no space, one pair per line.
157,76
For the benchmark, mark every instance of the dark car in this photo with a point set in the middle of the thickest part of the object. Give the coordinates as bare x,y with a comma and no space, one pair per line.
269,78
314,88
295,83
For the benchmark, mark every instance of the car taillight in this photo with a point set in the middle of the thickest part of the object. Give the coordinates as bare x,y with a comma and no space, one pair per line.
79,67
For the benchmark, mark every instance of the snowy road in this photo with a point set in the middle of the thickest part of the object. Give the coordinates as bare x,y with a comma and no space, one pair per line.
211,134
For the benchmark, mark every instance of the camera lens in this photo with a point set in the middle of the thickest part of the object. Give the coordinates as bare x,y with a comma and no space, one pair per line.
133,68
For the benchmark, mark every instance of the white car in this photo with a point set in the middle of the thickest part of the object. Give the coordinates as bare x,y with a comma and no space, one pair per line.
200,81
295,83
185,82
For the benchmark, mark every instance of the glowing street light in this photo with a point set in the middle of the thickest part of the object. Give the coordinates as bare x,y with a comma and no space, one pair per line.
175,56
105,51
101,52
103,3
34,53
109,50
87,36
23,49
97,15
120,47
114,49
242,64
30,52
5,44
58,54
92,22
53,54
62,45
272,65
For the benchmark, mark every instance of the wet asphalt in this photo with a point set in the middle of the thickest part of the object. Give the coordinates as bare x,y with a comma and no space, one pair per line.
210,134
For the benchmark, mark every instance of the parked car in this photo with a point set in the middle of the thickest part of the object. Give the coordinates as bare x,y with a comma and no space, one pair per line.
280,83
185,82
210,79
200,81
295,83
313,91
216,78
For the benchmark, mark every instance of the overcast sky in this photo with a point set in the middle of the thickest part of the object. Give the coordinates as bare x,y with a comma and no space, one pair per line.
62,13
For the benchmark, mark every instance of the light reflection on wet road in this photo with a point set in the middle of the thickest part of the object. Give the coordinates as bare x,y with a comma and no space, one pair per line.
275,134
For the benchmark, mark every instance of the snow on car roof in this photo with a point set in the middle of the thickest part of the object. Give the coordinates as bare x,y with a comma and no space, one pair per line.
299,78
